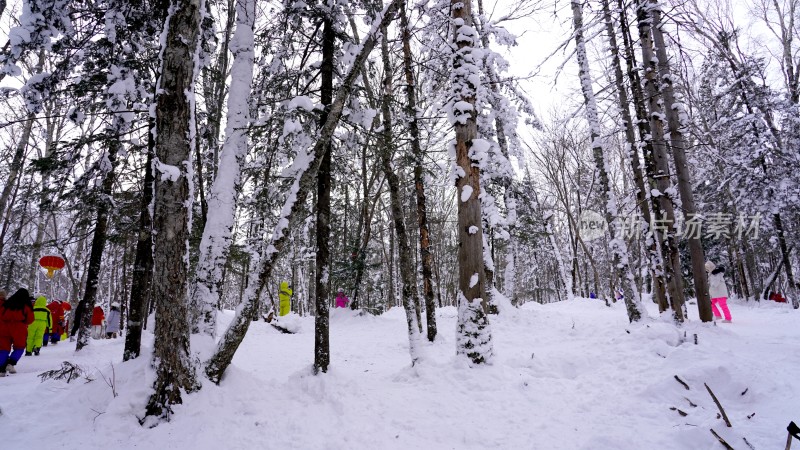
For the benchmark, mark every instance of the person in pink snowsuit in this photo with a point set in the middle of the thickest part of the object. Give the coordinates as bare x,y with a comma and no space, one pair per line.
718,291
341,299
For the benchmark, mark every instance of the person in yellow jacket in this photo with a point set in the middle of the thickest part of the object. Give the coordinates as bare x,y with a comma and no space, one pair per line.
41,323
285,296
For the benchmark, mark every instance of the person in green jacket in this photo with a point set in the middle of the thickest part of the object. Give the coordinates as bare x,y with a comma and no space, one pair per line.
285,296
41,323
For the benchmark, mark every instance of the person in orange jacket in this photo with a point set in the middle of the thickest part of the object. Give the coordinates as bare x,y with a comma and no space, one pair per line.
16,314
98,317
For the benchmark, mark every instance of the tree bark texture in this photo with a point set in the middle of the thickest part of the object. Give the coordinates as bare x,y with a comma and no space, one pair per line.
666,206
655,264
473,334
676,114
175,372
322,352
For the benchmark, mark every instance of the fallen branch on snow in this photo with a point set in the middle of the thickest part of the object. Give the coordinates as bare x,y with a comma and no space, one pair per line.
682,382
721,410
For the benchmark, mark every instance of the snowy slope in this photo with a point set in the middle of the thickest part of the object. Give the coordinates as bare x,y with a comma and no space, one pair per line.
571,375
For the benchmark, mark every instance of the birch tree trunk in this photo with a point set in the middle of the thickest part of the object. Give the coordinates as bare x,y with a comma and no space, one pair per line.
295,201
216,241
666,201
175,134
473,334
619,248
676,116
655,262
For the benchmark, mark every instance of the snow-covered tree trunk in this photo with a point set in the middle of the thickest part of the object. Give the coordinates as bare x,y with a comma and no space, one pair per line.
473,333
307,166
664,267
677,116
665,192
426,256
619,248
506,173
216,241
642,197
566,277
408,280
175,135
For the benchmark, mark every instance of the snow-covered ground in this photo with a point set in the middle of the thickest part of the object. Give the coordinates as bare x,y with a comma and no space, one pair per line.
570,375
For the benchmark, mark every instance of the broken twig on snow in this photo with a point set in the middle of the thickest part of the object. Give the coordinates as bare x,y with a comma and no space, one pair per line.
721,410
721,441
682,382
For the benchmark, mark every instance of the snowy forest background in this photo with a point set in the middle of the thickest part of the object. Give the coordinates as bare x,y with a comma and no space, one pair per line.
185,157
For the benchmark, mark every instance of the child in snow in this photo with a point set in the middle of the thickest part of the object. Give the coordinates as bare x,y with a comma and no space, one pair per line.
341,299
41,323
112,323
16,314
718,291
98,317
285,296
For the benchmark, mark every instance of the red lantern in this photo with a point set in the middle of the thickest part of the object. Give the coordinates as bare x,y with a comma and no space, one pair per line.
51,263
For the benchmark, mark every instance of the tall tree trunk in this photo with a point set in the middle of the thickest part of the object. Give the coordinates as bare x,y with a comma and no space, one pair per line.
419,182
787,263
217,234
141,280
100,237
506,175
675,112
619,248
303,184
175,372
407,278
473,334
322,352
666,207
655,259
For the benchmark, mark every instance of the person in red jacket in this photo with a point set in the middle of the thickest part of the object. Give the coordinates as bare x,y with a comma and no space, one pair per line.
16,314
67,308
98,317
57,319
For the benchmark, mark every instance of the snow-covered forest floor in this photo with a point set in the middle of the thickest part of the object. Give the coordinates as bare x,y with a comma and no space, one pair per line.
569,375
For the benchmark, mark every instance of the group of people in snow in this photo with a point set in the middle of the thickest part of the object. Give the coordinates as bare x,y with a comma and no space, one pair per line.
717,290
285,299
29,323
